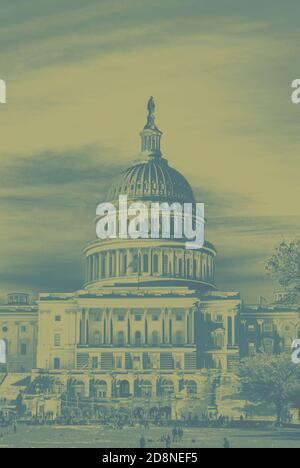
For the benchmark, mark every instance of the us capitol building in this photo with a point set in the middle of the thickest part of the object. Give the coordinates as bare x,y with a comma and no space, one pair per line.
149,324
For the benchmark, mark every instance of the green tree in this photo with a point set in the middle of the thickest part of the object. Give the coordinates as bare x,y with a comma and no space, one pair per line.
294,396
269,379
284,266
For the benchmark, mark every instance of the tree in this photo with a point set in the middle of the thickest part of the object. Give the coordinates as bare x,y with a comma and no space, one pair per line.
294,396
284,265
269,379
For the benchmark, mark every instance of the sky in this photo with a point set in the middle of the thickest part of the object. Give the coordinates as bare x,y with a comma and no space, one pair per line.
78,76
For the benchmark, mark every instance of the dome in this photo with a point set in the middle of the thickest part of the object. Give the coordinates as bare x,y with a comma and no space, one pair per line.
152,180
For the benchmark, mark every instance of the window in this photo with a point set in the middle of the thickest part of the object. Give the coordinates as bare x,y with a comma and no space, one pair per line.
23,329
95,362
191,387
23,349
97,316
121,318
57,339
121,338
118,362
138,318
3,352
180,267
57,318
155,318
268,327
155,263
56,363
138,338
179,318
251,328
179,338
5,329
252,349
188,267
165,264
136,264
155,338
97,338
145,263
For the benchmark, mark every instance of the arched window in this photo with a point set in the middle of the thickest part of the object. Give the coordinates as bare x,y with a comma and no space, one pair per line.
3,352
145,263
79,388
121,338
145,388
167,387
138,338
155,338
155,263
191,387
100,389
124,388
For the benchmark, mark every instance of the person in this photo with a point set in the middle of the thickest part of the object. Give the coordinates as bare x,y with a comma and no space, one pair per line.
226,443
142,442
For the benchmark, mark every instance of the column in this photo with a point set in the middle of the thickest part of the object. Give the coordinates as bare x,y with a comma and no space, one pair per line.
192,322
146,326
118,253
87,327
95,266
107,264
129,263
186,324
233,330
109,319
107,323
100,273
170,326
127,315
77,332
150,262
166,318
87,269
83,327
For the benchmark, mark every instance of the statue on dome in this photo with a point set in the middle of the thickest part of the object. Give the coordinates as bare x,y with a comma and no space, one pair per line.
151,110
151,105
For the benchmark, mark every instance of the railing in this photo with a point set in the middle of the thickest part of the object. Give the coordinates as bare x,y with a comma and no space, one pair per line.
3,377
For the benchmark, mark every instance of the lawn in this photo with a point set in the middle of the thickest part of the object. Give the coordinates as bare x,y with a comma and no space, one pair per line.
99,437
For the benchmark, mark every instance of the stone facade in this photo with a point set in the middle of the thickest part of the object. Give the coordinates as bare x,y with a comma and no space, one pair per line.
149,322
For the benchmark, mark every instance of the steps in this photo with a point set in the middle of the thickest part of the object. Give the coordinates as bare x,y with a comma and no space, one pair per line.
9,389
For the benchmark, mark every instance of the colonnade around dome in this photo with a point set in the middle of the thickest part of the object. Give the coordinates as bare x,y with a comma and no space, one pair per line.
152,262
